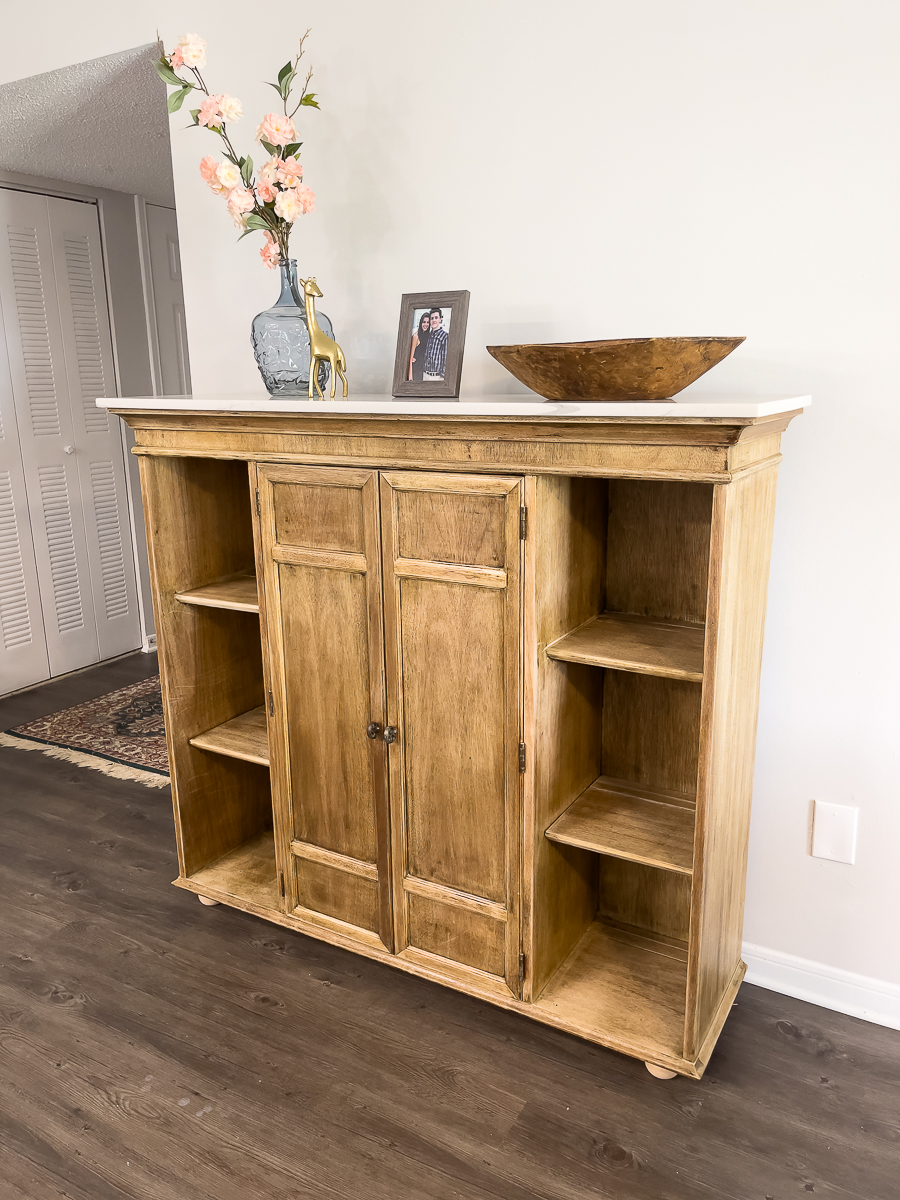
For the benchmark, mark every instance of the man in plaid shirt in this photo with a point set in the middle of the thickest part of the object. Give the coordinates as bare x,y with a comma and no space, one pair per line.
436,354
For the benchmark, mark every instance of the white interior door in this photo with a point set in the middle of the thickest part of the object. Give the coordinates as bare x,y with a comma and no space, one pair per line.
53,293
23,647
168,301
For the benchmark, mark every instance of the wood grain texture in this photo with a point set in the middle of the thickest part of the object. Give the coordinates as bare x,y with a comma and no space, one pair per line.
627,822
635,996
247,872
416,1089
319,517
659,549
452,658
457,934
244,736
239,593
645,898
565,565
629,643
632,369
469,533
325,636
651,731
199,530
582,453
743,517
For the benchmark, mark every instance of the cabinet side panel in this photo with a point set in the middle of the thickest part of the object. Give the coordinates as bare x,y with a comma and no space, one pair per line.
739,569
565,555
197,513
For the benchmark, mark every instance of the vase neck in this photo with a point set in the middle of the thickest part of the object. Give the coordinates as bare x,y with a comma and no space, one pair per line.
288,277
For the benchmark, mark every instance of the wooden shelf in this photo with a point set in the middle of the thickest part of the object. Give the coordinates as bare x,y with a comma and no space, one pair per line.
615,988
243,737
628,643
248,872
238,593
630,821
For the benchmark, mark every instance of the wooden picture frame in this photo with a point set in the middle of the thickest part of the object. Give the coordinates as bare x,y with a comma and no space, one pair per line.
454,309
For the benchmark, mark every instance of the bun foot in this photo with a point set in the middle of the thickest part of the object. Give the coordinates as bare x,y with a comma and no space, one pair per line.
655,1071
209,900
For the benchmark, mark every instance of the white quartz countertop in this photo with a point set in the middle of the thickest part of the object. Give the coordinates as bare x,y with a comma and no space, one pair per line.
525,405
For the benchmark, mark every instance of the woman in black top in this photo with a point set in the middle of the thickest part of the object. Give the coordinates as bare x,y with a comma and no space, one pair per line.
419,346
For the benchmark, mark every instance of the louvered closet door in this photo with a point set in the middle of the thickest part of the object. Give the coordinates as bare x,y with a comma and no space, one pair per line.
23,648
99,456
57,334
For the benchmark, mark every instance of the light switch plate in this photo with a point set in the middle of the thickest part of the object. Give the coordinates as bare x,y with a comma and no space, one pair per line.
834,832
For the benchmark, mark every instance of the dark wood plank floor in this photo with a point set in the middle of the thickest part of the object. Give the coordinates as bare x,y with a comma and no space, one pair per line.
154,1048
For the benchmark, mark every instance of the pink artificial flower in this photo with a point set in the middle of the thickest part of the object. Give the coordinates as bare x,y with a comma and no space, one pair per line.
288,206
228,175
270,253
208,168
210,111
290,172
265,191
306,196
231,109
240,200
176,59
276,129
190,51
268,172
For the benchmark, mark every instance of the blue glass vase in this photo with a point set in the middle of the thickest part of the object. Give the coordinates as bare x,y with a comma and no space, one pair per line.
280,340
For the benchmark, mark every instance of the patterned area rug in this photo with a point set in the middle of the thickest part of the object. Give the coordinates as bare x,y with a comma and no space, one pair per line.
121,734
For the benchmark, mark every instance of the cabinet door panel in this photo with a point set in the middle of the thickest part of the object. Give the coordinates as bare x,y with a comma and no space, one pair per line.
319,534
452,568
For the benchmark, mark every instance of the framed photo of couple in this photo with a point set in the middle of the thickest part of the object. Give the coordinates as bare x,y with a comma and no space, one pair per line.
430,344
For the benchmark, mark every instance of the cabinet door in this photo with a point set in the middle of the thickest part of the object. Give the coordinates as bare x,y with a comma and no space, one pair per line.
319,538
452,567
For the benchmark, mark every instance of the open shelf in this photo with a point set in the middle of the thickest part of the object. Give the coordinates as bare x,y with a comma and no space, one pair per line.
630,821
242,737
248,872
237,593
621,989
630,643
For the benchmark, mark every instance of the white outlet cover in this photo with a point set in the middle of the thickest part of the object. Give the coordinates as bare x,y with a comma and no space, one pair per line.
834,832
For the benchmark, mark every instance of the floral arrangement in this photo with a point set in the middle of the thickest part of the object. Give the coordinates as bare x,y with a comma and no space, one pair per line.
273,199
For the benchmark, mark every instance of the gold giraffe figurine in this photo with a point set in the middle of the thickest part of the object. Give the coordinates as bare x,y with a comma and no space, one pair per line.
322,348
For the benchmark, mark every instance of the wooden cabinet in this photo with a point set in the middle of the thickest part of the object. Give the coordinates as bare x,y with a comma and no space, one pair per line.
490,720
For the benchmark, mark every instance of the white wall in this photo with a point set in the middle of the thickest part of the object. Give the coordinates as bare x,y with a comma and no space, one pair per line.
595,168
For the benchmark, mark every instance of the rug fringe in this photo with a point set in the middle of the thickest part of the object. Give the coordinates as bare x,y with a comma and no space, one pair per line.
80,758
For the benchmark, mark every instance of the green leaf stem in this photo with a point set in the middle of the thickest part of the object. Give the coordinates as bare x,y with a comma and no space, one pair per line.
167,75
310,99
176,99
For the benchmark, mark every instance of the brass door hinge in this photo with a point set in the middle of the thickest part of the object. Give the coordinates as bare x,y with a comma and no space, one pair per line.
523,522
521,758
282,883
258,508
271,705
521,968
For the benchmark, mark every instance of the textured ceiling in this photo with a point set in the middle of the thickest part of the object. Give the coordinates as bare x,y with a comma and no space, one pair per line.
102,122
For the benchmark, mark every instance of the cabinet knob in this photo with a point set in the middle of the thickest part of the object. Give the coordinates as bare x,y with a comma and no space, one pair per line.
390,734
372,730
69,449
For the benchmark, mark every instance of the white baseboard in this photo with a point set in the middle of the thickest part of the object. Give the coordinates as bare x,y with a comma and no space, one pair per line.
149,643
857,995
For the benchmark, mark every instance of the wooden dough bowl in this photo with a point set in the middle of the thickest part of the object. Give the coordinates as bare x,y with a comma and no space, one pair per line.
622,369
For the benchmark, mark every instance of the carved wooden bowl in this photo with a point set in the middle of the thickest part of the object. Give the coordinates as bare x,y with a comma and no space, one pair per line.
622,369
